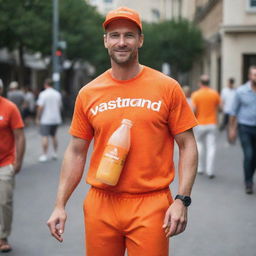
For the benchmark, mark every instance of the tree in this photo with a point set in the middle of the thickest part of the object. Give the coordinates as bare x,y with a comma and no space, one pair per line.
178,43
26,25
81,28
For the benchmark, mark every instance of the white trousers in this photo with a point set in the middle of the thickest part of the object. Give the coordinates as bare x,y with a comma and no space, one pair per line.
206,144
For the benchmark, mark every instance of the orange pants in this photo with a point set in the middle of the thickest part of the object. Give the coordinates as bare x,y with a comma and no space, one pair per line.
116,221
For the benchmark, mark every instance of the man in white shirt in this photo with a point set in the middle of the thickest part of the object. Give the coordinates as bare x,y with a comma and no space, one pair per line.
227,97
49,117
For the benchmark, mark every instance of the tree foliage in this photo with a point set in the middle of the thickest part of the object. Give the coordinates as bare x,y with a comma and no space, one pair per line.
27,25
80,27
178,43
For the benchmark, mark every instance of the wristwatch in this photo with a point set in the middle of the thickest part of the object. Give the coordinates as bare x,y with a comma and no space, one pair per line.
186,200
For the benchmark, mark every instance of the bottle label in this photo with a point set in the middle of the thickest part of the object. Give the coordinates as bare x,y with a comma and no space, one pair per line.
111,164
115,153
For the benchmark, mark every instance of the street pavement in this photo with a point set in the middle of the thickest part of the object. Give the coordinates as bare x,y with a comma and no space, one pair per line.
222,218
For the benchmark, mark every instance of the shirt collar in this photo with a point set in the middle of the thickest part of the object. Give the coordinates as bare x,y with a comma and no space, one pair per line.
248,86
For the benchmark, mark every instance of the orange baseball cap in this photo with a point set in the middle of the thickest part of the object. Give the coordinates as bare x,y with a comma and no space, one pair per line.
123,13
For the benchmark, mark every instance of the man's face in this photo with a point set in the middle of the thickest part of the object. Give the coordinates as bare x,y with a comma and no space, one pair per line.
230,85
122,40
252,75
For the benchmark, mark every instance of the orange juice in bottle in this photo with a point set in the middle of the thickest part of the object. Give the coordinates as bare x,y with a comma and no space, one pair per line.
114,155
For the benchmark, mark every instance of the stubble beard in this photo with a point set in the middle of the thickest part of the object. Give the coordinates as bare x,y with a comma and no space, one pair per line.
123,61
253,82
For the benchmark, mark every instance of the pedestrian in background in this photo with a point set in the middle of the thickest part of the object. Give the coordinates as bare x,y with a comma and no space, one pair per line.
187,91
227,97
146,213
243,117
16,95
29,106
206,102
12,148
49,117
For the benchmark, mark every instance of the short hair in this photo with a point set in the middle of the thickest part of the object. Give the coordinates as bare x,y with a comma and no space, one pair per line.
186,89
48,81
231,80
14,85
204,79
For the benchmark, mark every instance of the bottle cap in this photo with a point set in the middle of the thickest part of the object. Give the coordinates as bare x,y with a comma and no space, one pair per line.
127,122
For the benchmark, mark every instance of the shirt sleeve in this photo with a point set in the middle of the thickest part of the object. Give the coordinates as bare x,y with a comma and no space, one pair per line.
181,117
40,101
80,125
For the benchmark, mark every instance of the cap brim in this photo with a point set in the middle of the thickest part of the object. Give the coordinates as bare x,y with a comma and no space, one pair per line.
107,22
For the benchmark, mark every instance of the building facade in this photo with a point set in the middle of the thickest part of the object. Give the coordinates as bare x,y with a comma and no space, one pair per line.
238,33
150,10
229,30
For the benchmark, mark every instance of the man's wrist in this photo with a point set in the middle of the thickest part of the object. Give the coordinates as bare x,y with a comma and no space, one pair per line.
186,200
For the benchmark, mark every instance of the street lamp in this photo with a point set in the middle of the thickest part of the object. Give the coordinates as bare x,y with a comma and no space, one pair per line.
55,53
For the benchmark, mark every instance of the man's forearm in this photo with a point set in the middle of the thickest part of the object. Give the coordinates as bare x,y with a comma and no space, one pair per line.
39,112
20,147
187,171
232,122
188,159
71,174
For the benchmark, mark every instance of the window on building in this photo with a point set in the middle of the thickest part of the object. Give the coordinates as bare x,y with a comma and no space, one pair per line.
155,15
251,5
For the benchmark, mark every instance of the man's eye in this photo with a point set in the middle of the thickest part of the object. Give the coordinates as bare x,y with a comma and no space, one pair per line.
130,35
114,35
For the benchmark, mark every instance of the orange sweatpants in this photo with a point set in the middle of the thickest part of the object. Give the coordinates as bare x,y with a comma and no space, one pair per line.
116,221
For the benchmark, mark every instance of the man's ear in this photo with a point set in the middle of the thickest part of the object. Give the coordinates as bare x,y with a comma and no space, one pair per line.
105,40
141,40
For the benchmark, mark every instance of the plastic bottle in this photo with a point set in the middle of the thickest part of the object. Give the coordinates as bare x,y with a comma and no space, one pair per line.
115,153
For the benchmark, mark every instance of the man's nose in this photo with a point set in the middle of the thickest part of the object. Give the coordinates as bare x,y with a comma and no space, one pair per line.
121,41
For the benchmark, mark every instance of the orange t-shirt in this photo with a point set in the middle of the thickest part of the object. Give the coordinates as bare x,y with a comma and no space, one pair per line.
10,119
206,102
158,109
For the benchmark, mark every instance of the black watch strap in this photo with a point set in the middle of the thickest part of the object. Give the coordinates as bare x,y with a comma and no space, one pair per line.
185,199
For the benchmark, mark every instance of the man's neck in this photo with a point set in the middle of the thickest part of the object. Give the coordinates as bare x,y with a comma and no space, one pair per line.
202,86
125,72
253,86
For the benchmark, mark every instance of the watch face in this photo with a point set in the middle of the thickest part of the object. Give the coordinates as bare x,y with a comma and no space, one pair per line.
187,201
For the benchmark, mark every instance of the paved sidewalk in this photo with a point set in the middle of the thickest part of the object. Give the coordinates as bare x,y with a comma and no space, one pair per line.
222,218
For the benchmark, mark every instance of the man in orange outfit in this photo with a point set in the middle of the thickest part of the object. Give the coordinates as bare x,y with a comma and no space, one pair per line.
138,214
206,102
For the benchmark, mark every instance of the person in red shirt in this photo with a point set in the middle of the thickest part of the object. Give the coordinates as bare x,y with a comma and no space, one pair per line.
12,147
137,214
